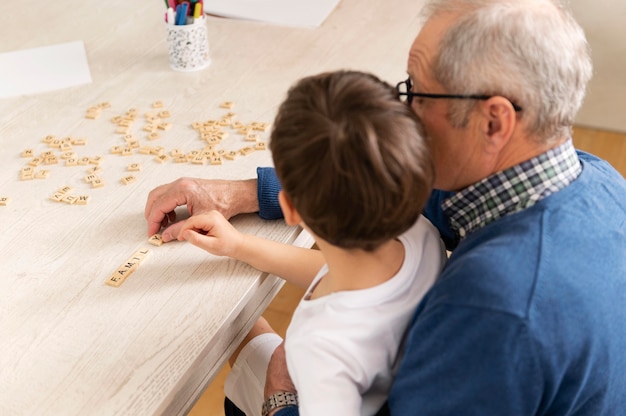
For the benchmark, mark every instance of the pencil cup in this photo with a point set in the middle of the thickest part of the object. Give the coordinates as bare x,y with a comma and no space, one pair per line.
188,46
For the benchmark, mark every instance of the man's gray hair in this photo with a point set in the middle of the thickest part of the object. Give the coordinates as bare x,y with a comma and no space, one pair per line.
532,52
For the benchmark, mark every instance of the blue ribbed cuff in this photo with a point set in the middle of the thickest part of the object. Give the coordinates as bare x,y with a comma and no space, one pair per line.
287,411
268,188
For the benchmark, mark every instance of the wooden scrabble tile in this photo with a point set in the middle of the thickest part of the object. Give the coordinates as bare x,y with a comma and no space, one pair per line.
198,160
4,201
28,153
127,151
117,150
251,137
69,199
104,104
57,196
68,155
83,161
126,180
157,104
246,150
82,199
164,114
156,240
216,160
51,160
49,139
98,183
232,155
118,276
64,189
162,158
127,268
94,170
261,126
134,167
153,136
165,126
96,160
79,142
71,162
91,178
42,174
141,254
260,146
92,114
36,161
227,104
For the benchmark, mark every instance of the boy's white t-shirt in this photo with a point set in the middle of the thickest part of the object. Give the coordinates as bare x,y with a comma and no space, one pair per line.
343,349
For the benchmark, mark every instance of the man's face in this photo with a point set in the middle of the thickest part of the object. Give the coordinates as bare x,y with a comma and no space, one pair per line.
456,151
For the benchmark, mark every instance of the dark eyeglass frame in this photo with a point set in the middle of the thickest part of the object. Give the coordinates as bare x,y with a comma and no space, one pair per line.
410,94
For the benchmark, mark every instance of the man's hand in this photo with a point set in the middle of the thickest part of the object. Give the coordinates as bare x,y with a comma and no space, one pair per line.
200,196
277,378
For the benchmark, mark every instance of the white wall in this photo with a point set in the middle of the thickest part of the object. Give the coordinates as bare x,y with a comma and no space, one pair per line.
604,22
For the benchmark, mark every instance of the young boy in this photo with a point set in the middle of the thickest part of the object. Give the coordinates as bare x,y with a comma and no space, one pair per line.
356,174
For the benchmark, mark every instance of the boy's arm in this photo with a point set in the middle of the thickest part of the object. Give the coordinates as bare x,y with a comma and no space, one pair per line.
213,233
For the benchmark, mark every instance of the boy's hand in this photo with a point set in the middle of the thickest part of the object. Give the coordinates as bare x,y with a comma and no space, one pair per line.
213,233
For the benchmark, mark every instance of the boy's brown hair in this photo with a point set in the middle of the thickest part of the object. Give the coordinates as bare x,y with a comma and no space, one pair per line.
351,159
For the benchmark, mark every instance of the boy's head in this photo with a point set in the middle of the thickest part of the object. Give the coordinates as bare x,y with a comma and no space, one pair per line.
351,159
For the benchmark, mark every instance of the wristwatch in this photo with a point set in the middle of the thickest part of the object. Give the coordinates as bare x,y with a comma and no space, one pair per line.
281,399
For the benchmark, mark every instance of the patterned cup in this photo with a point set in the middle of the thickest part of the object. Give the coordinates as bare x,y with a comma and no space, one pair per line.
188,46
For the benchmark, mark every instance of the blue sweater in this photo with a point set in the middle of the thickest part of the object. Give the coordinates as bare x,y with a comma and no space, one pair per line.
529,314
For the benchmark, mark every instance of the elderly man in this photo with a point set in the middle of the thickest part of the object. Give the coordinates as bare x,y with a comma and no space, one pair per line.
529,314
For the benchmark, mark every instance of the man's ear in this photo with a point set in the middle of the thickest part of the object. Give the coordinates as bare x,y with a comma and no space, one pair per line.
499,122
289,212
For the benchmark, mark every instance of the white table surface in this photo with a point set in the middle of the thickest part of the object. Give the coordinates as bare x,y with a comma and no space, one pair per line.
71,345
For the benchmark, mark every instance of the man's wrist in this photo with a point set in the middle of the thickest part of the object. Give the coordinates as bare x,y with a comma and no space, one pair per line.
277,401
244,193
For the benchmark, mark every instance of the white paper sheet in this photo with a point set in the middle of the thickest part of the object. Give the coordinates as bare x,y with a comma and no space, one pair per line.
306,13
48,68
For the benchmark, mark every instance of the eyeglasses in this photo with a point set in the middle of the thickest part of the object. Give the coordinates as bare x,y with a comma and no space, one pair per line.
404,89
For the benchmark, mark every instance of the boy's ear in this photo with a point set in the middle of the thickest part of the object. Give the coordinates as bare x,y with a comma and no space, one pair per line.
289,212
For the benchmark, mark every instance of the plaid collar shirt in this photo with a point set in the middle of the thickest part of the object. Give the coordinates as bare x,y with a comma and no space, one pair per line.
512,190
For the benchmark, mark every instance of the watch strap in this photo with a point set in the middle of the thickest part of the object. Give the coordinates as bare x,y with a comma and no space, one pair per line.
280,399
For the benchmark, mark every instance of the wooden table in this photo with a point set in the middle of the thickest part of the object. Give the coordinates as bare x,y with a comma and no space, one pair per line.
69,343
